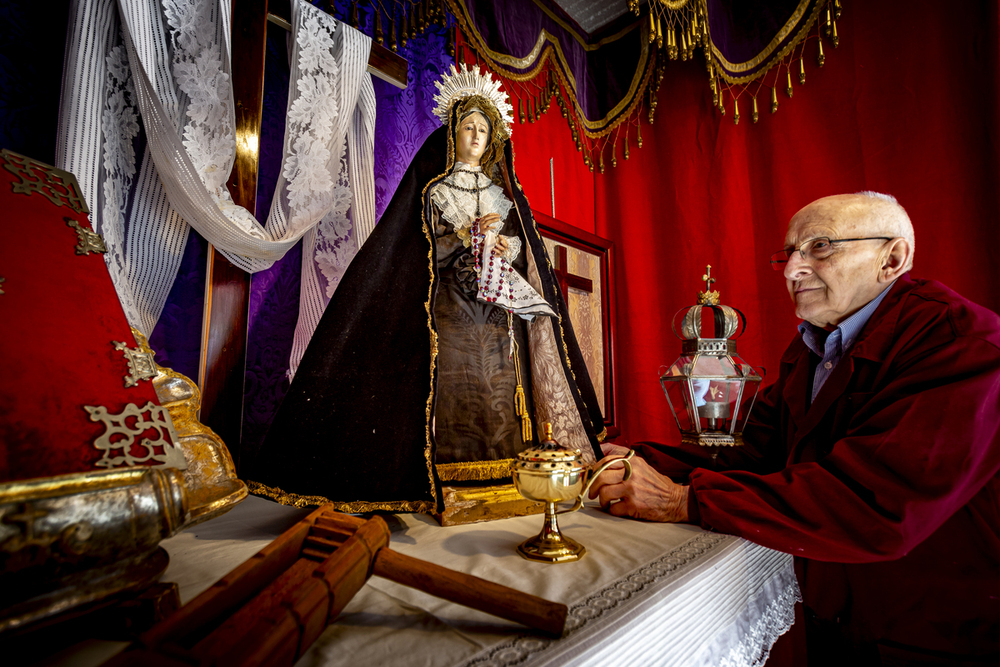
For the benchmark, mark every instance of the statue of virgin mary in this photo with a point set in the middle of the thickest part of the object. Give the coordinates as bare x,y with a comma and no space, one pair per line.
447,342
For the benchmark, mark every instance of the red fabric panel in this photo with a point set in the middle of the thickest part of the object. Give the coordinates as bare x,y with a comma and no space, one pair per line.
906,105
58,317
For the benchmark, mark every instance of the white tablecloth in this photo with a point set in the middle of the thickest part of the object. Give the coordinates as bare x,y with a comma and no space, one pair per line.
644,594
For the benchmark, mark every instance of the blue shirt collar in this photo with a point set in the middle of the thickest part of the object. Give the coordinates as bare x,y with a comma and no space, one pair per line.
819,340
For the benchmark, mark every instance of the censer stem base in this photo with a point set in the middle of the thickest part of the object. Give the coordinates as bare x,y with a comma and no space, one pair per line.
551,546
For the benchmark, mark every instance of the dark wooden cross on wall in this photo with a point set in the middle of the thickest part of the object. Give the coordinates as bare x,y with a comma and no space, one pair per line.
567,279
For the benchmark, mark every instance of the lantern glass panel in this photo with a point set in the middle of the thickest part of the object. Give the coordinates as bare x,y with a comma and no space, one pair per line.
714,367
677,390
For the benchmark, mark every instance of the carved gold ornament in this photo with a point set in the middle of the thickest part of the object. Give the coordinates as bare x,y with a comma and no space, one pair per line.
119,439
140,363
87,241
58,186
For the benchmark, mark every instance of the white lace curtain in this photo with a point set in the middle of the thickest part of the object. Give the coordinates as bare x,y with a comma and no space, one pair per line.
168,62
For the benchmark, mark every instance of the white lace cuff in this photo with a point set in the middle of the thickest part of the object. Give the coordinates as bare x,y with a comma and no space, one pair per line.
513,248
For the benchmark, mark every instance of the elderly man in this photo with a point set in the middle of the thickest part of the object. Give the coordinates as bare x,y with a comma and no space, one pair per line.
873,458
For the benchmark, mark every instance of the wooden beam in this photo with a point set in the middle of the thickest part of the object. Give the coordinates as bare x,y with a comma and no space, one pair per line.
227,289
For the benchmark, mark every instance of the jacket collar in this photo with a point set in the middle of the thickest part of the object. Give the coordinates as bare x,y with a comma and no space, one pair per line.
873,344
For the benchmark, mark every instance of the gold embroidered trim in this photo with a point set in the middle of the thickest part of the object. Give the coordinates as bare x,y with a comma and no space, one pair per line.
356,507
474,471
593,129
768,52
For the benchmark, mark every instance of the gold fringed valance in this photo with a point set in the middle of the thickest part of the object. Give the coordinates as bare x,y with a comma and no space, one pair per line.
747,60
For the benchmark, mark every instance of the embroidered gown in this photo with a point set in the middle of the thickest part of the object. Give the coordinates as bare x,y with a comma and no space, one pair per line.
475,416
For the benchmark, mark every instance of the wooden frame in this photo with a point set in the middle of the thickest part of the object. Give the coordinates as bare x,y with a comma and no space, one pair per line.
561,233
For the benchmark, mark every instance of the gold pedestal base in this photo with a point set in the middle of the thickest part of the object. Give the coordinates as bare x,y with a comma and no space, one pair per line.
471,504
551,546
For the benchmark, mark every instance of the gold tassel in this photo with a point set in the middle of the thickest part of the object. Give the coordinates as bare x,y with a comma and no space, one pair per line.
520,404
820,57
774,100
833,37
638,132
736,111
754,116
520,110
652,26
828,23
393,42
379,33
659,33
802,71
789,89
626,147
836,9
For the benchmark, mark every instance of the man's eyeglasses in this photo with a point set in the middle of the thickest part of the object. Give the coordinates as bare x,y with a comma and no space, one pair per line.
818,248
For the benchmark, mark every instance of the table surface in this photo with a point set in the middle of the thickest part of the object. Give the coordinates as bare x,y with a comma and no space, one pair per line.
644,593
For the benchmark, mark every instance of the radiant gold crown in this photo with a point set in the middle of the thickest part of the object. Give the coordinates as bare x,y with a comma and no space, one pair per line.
459,84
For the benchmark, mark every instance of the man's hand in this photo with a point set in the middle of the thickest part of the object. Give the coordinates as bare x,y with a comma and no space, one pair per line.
647,494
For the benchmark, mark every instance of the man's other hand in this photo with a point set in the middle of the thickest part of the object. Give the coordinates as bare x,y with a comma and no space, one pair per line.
646,495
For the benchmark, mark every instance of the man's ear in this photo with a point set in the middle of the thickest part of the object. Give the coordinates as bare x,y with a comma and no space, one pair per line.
897,256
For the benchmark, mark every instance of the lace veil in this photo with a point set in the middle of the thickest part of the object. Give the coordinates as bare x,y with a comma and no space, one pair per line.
168,62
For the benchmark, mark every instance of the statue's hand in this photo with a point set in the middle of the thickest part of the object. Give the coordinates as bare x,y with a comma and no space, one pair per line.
490,222
501,246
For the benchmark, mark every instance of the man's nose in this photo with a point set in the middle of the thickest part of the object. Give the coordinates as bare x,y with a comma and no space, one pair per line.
796,267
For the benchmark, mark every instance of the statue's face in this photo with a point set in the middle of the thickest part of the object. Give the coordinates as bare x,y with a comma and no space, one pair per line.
472,139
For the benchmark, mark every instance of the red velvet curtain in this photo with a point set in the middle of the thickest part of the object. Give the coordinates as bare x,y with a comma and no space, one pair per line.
908,104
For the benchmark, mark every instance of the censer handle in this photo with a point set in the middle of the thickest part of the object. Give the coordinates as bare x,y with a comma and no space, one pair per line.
607,464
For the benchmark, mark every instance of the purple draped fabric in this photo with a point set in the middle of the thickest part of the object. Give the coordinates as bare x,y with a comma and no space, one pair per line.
743,30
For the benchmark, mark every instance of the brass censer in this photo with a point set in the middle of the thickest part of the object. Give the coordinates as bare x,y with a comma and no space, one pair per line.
552,473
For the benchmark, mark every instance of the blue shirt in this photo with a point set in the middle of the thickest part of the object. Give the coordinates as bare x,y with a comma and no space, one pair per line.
831,346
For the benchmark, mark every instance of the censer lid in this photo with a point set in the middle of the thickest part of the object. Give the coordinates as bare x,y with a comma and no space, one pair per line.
549,451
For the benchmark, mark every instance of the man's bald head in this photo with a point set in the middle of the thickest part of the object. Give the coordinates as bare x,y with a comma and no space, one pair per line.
886,217
849,248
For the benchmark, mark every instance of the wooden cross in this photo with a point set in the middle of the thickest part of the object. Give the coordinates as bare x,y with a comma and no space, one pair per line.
567,279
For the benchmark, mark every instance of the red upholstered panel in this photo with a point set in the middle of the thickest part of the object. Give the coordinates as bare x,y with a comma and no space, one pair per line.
58,317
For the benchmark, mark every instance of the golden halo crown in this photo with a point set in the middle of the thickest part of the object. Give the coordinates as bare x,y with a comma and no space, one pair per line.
459,84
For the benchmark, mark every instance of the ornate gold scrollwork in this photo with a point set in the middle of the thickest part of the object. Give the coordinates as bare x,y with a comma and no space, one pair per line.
140,363
121,431
87,241
58,186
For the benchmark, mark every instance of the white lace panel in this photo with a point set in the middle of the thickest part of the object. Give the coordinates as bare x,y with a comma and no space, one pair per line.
459,206
172,66
346,189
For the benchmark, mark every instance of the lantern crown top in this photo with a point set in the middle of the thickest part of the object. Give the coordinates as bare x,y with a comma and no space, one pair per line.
708,297
728,322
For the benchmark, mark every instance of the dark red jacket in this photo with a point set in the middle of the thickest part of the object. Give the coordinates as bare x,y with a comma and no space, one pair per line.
887,487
